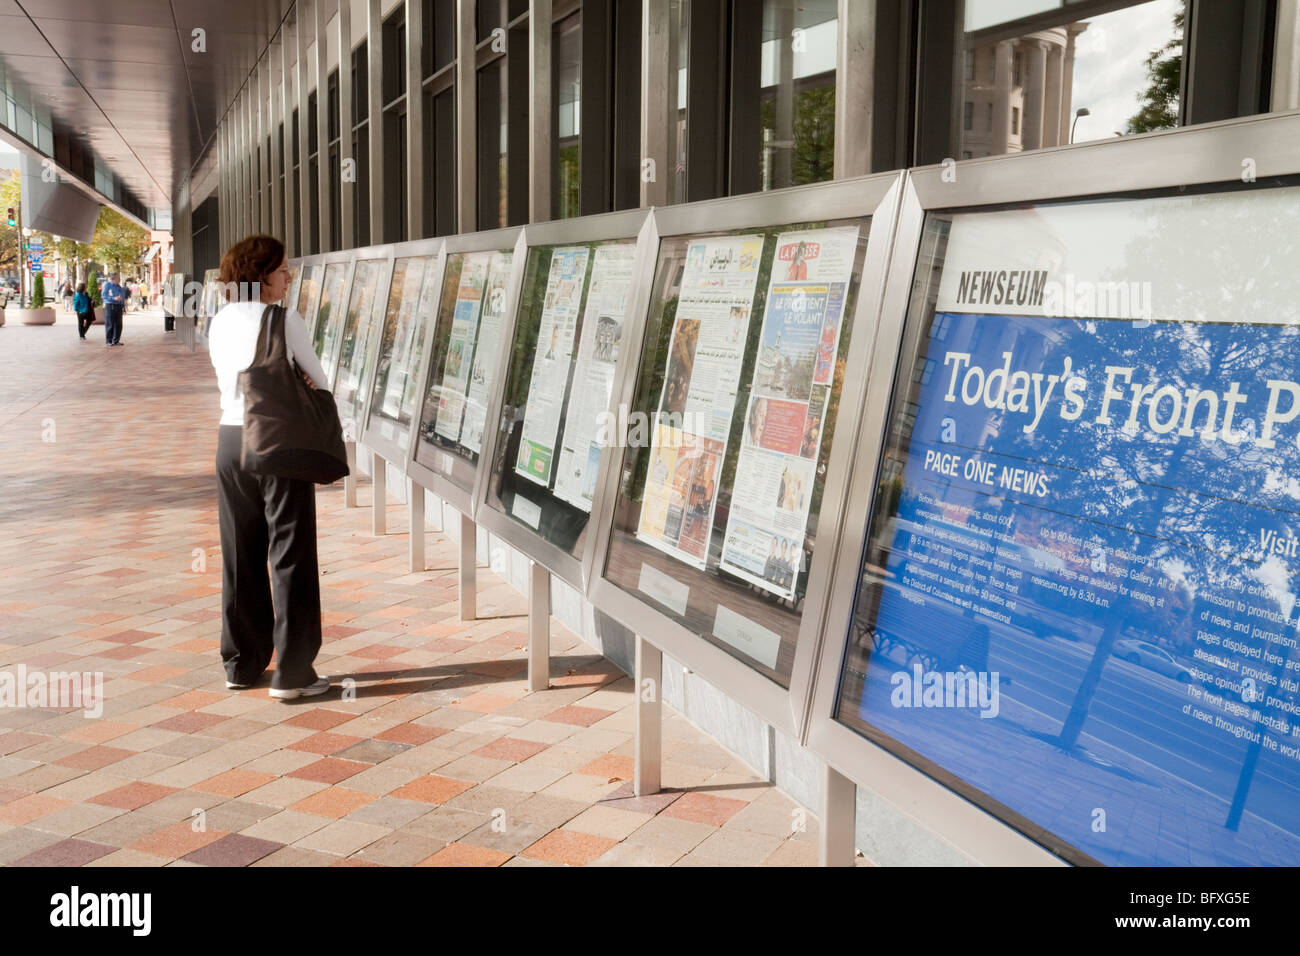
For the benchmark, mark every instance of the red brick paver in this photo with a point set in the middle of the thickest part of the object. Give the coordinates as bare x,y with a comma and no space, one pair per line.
436,752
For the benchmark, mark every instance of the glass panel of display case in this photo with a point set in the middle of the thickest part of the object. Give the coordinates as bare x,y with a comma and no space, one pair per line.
308,294
211,304
1078,590
350,378
291,291
462,363
568,337
329,316
410,299
730,430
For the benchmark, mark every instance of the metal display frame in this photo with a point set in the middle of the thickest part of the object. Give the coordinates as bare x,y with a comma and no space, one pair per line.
421,477
1215,153
384,451
396,452
546,559
295,280
345,258
876,196
381,254
308,262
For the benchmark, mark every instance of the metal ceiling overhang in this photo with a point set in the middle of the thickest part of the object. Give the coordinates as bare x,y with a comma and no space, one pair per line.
129,80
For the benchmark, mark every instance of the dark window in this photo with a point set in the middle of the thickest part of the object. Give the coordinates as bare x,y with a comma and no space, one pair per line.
312,144
566,117
332,105
336,198
360,86
394,66
440,163
439,47
361,195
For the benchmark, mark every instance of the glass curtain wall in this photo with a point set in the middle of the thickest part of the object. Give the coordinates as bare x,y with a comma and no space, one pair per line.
567,119
438,69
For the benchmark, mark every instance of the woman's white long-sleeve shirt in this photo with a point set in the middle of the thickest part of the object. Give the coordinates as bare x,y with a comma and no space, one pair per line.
232,343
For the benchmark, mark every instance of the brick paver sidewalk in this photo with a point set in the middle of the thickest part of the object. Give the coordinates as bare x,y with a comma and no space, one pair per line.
109,563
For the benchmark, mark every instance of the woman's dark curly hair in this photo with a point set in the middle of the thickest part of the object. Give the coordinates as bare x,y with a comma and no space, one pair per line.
246,265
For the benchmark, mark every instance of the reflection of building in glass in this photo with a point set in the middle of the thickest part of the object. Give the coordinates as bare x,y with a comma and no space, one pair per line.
1019,92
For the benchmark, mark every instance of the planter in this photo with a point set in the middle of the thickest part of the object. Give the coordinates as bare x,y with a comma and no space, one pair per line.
99,316
2,316
34,316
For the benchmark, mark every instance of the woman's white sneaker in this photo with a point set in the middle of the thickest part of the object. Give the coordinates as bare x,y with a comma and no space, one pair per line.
311,690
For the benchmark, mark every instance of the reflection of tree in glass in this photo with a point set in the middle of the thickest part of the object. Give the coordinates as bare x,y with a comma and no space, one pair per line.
1160,523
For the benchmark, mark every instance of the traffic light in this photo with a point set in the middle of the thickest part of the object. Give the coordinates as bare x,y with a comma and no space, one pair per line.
11,218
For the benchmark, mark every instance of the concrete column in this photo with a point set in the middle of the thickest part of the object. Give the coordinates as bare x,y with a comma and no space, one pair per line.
375,107
223,190
289,98
1001,99
263,160
1035,90
414,121
276,155
305,198
466,120
1067,79
855,87
347,190
321,24
658,102
245,167
1052,97
541,138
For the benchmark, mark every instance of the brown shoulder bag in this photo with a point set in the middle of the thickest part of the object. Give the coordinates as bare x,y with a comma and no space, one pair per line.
290,429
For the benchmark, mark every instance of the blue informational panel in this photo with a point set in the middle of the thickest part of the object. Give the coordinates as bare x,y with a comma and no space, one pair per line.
1078,601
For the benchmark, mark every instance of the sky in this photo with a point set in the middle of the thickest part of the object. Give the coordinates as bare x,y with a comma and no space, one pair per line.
1110,64
8,156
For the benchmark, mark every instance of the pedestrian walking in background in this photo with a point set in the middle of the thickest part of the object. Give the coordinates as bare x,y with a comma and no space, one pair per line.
114,305
65,293
261,515
85,311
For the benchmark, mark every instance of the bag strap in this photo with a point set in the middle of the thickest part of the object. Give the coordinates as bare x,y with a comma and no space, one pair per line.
270,339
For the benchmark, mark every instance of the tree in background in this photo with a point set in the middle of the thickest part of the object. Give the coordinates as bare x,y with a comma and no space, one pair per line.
118,242
1159,104
74,255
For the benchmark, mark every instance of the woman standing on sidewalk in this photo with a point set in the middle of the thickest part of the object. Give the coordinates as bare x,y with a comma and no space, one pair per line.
263,515
85,313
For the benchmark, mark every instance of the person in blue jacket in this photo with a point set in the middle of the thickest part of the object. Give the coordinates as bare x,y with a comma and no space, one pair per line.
85,313
114,306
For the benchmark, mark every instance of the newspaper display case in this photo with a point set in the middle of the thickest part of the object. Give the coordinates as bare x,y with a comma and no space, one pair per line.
1062,623
367,290
572,330
735,433
408,307
327,334
462,356
295,279
464,350
305,296
209,305
572,325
